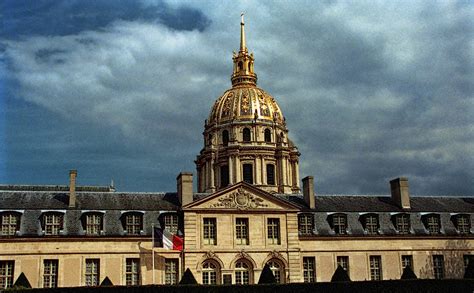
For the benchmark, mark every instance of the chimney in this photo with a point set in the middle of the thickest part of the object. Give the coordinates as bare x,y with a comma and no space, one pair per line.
185,187
72,188
308,191
400,194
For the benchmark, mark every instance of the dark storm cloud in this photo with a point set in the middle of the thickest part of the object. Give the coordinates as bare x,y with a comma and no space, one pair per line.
53,18
371,91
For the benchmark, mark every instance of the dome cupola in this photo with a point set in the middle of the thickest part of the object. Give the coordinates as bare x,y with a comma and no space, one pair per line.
245,136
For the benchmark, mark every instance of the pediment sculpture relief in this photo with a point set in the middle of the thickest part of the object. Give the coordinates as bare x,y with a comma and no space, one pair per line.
239,199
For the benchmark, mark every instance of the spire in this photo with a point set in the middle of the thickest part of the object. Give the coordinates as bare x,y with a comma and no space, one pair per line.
243,73
243,46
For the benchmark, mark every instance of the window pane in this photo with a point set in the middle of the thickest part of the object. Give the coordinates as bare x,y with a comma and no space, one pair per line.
50,274
132,272
407,261
305,224
10,224
463,224
171,223
343,261
402,223
248,173
209,231
171,271
270,174
438,266
309,272
273,230
52,223
375,268
241,231
92,272
133,224
339,224
7,269
278,270
371,224
93,224
224,176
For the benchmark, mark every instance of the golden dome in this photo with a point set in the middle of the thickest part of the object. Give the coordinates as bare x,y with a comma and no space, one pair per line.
245,103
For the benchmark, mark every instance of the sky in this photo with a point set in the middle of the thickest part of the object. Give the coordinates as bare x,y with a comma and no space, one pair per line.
371,90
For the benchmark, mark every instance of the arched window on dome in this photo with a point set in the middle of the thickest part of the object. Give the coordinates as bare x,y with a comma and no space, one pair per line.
210,272
270,174
225,137
278,270
250,68
268,135
241,65
246,135
243,272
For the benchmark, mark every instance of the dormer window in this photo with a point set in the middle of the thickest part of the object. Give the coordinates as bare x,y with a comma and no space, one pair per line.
52,223
370,223
246,137
432,223
92,223
133,223
401,223
305,224
462,223
10,223
170,222
338,223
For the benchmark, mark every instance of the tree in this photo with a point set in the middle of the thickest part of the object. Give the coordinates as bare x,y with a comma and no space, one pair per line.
188,278
340,275
22,282
408,274
267,277
106,282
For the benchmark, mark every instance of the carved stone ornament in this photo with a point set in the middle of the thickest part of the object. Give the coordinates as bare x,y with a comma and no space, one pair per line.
243,254
209,254
275,254
239,199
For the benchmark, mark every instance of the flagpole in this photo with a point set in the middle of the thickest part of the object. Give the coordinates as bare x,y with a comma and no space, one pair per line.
153,250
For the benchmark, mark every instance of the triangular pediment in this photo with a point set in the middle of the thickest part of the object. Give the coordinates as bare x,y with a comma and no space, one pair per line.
241,196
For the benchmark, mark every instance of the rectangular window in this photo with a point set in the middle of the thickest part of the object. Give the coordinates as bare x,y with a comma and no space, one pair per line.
432,224
407,261
339,224
10,224
171,271
402,223
270,174
343,261
92,273
371,224
248,173
375,267
133,224
171,223
438,266
309,271
224,176
463,224
273,230
210,231
93,224
242,231
53,223
305,224
7,269
132,272
50,274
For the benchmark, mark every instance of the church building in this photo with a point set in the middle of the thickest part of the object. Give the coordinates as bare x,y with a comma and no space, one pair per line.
249,209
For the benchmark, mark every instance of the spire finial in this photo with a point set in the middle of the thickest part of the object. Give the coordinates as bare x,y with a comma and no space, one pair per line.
243,46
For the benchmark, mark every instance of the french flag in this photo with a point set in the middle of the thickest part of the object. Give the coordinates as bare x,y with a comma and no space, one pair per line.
163,238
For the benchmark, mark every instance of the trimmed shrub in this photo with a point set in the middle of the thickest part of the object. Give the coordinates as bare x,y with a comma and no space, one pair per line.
22,282
188,278
267,277
408,274
106,282
469,274
340,275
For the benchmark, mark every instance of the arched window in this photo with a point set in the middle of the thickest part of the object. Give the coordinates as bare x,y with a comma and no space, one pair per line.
268,135
243,272
270,174
246,135
225,137
277,269
210,272
248,173
224,175
250,66
241,65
